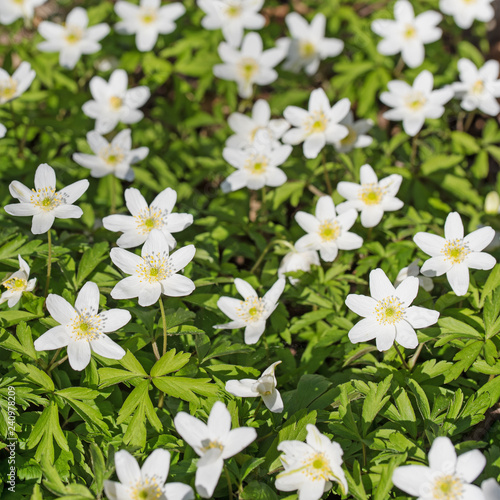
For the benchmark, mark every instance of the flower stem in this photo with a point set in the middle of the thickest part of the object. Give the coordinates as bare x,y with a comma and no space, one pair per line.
229,485
405,364
113,194
52,361
156,352
164,322
469,120
414,149
257,409
399,67
60,362
413,360
327,177
49,263
263,208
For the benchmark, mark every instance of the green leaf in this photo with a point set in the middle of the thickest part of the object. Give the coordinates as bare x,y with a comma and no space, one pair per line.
440,162
35,375
170,362
186,388
91,258
258,491
465,358
374,401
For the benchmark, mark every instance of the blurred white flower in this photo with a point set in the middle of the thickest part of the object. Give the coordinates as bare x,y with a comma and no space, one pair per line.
44,203
115,157
490,489
407,33
17,283
252,312
414,270
413,104
137,227
454,254
15,85
73,38
232,16
327,231
478,88
147,20
387,314
446,477
318,125
264,386
356,137
249,65
214,442
154,272
256,167
259,128
82,329
3,130
298,261
492,203
146,483
307,45
464,12
371,197
11,10
114,102
311,467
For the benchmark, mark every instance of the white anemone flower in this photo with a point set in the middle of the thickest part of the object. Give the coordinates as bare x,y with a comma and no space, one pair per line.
232,16
318,125
371,197
256,167
3,130
114,102
264,387
413,104
311,467
147,482
478,88
214,442
464,12
388,313
259,128
356,137
154,272
147,21
73,38
15,85
12,10
44,203
490,489
249,65
298,261
447,475
82,328
17,283
252,312
308,46
407,34
115,157
327,232
455,254
414,270
137,227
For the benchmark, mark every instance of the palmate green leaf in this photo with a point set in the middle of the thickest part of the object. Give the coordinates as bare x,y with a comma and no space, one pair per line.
355,482
385,485
186,388
375,399
98,467
91,258
170,362
258,491
421,397
465,358
8,318
491,284
35,375
402,412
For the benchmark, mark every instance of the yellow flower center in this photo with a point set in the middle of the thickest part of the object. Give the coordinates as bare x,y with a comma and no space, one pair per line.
86,326
46,198
416,101
455,251
350,138
306,49
257,164
149,219
148,16
233,11
371,194
410,32
74,35
448,487
213,445
251,309
112,155
389,311
147,489
478,87
329,231
248,66
317,122
15,284
317,467
155,268
8,88
115,102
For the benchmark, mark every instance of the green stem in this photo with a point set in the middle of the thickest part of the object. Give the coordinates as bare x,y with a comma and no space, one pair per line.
164,323
264,207
113,194
413,360
49,263
229,485
327,177
405,364
257,409
399,67
60,362
52,361
468,122
414,149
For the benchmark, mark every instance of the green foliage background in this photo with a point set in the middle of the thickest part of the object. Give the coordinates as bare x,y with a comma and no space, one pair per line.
69,424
